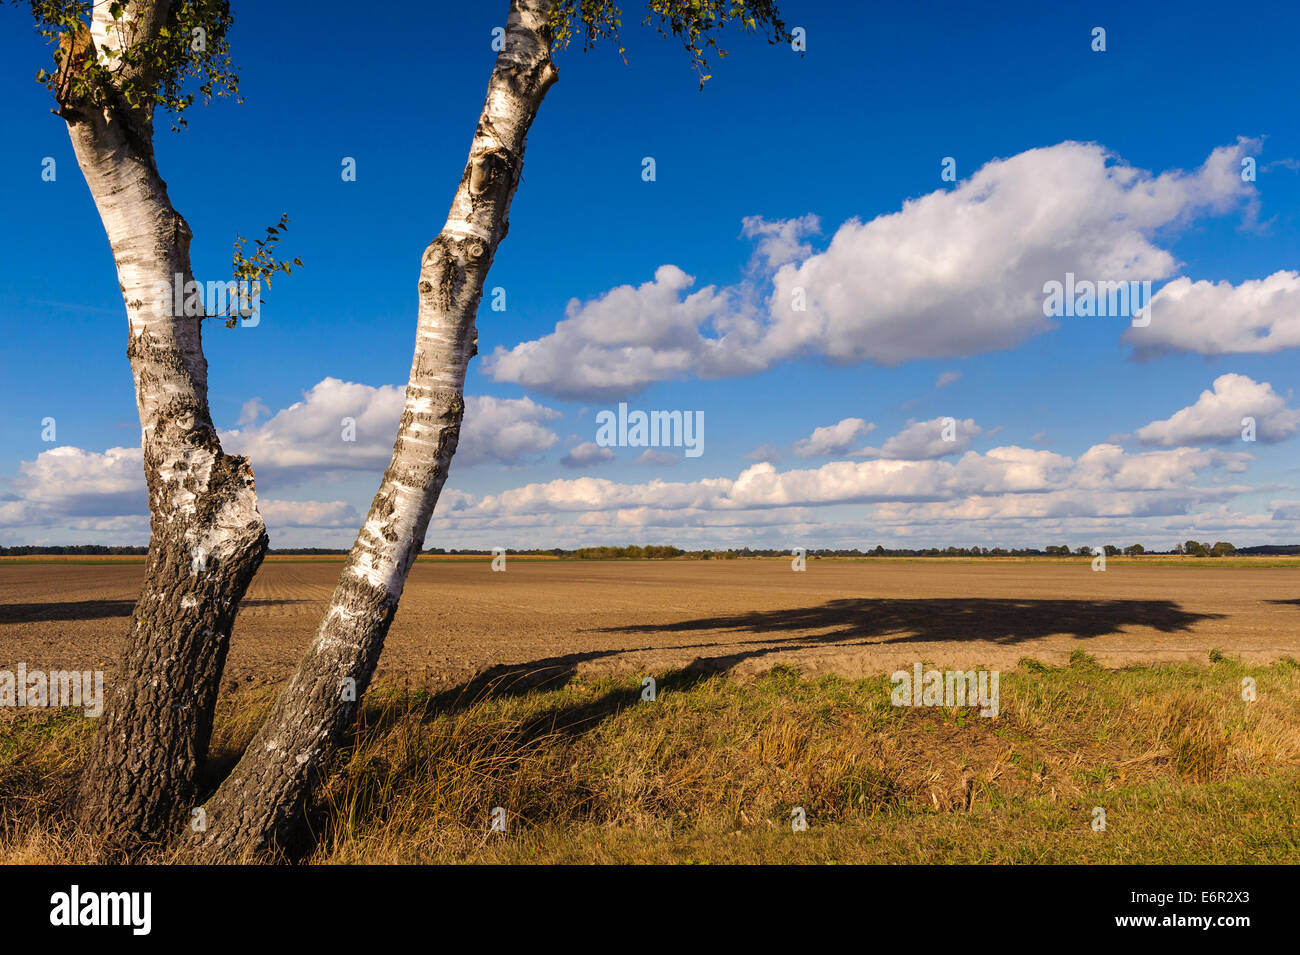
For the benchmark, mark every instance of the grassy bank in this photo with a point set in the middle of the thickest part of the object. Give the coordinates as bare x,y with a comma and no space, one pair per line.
712,770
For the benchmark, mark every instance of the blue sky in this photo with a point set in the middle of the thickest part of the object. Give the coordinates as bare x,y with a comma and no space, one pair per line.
1068,430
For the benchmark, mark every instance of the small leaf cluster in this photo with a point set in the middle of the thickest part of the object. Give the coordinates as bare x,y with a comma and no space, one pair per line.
262,265
695,23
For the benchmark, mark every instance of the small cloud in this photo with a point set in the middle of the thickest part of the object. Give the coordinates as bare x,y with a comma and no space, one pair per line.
779,242
947,378
1285,510
252,410
586,454
926,440
653,457
765,452
834,439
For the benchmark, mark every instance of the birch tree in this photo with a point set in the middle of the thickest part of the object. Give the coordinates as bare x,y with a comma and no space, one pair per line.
116,64
113,66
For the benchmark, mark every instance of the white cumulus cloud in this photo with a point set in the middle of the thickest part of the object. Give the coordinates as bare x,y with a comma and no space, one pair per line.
279,514
343,426
1218,414
953,273
832,440
68,482
1218,318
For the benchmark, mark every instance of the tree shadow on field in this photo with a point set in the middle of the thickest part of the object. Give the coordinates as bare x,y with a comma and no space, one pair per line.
65,610
73,610
886,620
555,673
846,622
571,718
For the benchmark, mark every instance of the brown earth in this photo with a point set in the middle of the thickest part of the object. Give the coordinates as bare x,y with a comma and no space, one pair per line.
585,617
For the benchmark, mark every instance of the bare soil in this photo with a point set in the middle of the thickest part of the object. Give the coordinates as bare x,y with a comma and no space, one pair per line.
565,618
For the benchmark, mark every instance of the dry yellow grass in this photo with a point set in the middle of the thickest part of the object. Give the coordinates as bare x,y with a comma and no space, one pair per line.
713,768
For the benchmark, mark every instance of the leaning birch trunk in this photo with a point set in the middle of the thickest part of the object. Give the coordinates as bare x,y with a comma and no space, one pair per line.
255,808
206,536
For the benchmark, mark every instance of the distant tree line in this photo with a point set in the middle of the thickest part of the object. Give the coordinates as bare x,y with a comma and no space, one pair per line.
1197,549
83,550
1219,549
1270,550
631,552
1189,548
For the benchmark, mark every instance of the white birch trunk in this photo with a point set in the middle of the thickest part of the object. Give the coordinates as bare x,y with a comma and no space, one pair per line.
207,537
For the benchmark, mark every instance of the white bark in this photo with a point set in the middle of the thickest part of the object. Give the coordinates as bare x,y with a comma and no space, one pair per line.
207,537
